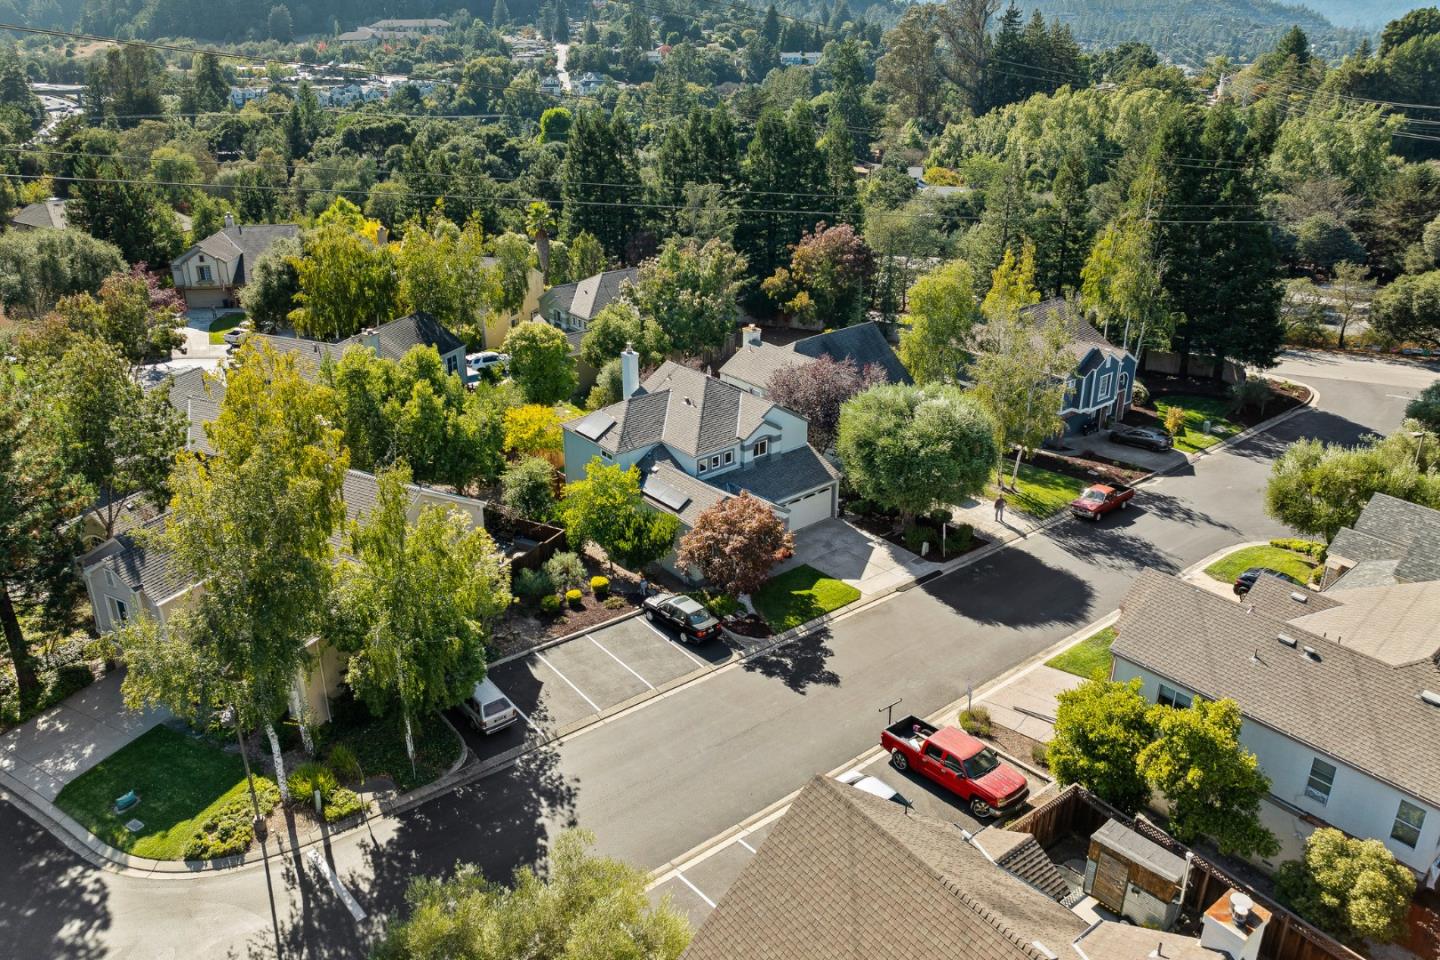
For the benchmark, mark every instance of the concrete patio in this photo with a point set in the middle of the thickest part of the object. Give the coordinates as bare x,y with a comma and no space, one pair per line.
51,749
868,563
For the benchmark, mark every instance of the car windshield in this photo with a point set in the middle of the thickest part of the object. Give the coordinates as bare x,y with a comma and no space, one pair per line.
698,617
1094,496
981,764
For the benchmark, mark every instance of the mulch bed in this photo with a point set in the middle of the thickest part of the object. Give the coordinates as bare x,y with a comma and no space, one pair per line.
524,628
750,625
885,528
1286,396
1015,744
1087,465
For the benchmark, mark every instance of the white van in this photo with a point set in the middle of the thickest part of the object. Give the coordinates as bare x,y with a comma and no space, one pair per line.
488,709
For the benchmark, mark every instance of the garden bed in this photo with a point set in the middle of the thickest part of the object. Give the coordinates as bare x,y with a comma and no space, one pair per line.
1088,466
379,743
525,627
886,527
1207,400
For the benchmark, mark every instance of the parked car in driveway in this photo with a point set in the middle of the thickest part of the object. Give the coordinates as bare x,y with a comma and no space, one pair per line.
1147,438
1246,580
1099,499
958,762
478,363
685,614
873,786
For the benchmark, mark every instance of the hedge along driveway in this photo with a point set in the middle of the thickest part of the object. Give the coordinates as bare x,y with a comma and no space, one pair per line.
180,780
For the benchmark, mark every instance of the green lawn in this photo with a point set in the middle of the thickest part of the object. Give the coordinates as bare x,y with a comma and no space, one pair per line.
1088,658
224,325
1230,566
1191,438
179,780
800,595
1041,492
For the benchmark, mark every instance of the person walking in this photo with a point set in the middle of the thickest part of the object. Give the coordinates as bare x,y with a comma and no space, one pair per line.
1000,508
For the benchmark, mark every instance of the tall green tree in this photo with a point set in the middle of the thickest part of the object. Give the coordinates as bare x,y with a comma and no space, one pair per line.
1063,230
416,604
600,182
1100,728
618,325
690,292
937,329
783,170
211,89
540,362
38,267
346,282
607,509
1352,888
111,206
253,523
269,292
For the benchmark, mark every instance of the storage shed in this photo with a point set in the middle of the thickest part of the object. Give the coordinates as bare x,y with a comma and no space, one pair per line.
1133,877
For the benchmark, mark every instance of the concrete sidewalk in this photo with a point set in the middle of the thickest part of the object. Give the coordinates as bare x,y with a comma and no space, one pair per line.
51,749
1027,705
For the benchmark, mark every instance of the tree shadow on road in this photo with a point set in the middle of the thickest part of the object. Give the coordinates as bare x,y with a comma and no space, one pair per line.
800,664
1113,545
1000,590
1317,424
40,917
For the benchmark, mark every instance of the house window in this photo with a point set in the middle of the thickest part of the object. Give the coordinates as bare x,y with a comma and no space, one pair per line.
204,271
762,447
1105,380
729,457
119,613
715,462
1170,697
1322,778
450,365
1409,820
701,465
109,579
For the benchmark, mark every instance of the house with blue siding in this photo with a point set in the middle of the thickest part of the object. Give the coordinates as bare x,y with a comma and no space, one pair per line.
1102,383
1338,692
697,440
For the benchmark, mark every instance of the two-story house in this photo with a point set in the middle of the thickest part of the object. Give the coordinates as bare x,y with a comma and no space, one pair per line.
391,341
1339,692
863,344
210,274
1101,385
698,440
132,574
571,306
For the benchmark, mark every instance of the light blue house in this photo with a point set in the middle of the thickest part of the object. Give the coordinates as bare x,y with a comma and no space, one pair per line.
1103,382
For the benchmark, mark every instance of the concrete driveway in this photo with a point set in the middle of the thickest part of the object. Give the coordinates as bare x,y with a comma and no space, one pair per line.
869,564
1099,443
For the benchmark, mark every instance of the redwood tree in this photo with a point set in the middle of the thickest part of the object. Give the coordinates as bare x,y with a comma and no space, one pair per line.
735,544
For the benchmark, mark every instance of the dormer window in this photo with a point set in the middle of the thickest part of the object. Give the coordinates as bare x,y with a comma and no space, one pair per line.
715,462
762,447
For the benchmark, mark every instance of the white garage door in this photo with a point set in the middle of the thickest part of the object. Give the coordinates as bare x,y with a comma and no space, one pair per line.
811,509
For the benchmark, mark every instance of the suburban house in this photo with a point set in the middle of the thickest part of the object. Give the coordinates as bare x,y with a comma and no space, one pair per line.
130,575
1393,541
498,325
571,307
800,58
847,874
390,341
1339,691
698,440
1102,384
42,215
756,362
589,83
210,274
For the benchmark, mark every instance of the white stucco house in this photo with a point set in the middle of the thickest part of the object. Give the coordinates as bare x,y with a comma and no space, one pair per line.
698,440
1340,694
210,274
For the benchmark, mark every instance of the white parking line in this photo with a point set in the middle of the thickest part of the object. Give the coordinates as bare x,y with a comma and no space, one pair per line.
741,841
666,637
622,663
562,676
528,722
698,892
356,911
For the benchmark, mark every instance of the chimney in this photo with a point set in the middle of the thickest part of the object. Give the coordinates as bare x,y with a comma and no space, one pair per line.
382,236
1235,925
229,221
750,336
629,372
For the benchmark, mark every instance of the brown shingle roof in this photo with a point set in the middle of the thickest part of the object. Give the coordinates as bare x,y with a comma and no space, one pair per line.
846,875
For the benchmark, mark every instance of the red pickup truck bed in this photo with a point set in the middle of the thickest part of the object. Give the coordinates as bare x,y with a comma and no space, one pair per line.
958,762
1100,498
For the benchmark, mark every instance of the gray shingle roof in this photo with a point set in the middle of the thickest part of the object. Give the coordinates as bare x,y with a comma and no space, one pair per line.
194,384
685,409
244,243
863,343
391,341
44,214
1346,704
585,298
658,470
756,364
1367,573
847,875
782,476
1083,335
1354,545
1274,597
1393,529
1394,624
1023,858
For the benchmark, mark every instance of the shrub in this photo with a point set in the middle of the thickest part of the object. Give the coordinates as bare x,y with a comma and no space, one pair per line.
305,779
550,604
1174,420
345,764
615,603
1140,395
719,604
962,535
1040,755
939,516
1250,392
532,585
976,721
343,802
1351,888
917,537
573,597
1313,549
228,831
600,586
565,570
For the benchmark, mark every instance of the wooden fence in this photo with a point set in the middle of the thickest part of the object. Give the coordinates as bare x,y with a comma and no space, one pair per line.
1076,811
548,540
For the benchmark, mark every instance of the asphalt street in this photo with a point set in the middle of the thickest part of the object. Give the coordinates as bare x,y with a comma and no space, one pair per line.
654,782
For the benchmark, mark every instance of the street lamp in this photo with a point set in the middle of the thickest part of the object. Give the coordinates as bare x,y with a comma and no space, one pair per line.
231,717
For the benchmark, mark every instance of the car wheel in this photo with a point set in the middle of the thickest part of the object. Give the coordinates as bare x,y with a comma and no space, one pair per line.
1095,516
981,809
1124,504
897,759
650,615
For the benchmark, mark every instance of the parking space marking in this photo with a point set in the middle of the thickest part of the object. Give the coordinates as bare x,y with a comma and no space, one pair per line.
621,662
698,892
741,841
528,722
666,637
572,686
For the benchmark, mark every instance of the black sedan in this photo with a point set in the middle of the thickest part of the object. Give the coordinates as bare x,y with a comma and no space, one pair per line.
685,614
1246,580
1148,438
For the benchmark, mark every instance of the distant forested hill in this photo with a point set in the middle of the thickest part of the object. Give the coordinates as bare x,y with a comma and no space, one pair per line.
1369,14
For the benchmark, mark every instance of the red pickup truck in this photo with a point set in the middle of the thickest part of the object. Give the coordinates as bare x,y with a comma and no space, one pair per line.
1100,498
958,762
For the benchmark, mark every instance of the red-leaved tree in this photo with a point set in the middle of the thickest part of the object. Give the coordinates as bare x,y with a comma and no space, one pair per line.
815,390
735,544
